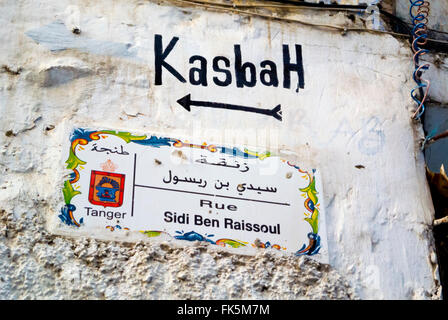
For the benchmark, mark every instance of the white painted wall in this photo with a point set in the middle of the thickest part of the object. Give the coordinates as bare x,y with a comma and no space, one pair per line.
438,11
355,110
438,62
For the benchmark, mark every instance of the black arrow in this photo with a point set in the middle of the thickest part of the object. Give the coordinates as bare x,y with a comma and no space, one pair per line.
186,102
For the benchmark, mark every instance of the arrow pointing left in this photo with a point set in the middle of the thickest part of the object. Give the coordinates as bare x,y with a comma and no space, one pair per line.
187,102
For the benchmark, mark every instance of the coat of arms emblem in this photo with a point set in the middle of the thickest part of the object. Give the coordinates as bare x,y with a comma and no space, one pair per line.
106,188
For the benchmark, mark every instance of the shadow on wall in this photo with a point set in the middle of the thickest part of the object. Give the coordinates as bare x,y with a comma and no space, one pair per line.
438,183
435,124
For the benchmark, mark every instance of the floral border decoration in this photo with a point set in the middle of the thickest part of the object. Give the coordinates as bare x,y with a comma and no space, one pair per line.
81,137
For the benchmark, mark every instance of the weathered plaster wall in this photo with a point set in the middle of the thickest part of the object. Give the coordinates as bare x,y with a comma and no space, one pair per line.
437,14
354,111
437,74
38,265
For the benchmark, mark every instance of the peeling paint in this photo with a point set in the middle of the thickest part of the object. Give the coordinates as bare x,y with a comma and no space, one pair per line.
56,37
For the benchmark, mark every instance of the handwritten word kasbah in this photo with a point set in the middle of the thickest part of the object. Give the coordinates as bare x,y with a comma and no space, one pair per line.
245,73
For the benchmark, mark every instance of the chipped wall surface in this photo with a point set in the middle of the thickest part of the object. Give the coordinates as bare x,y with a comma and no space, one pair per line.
91,63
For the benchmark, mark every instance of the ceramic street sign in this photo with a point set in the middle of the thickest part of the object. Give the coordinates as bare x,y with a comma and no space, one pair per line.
160,186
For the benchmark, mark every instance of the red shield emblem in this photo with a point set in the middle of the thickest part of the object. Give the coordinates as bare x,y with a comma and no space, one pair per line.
106,188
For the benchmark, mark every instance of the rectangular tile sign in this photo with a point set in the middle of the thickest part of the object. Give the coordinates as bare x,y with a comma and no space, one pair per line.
166,187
